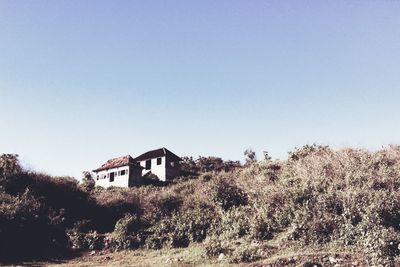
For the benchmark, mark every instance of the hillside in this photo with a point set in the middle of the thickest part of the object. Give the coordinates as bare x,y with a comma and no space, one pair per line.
320,207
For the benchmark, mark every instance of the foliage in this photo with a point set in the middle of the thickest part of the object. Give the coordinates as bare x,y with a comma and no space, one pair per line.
85,241
88,183
227,195
208,164
244,253
317,198
251,156
26,227
9,165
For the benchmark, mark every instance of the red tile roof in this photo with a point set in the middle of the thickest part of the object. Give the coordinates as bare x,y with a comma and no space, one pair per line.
117,162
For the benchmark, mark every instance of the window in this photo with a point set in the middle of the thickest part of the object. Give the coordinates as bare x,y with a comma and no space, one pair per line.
97,177
159,160
123,172
148,164
112,176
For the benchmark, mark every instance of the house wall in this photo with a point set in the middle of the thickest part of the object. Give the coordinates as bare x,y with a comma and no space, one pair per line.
135,175
158,170
119,180
172,168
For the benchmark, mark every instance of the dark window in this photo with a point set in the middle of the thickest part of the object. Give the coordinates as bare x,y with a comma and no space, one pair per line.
112,176
123,172
97,177
148,164
159,160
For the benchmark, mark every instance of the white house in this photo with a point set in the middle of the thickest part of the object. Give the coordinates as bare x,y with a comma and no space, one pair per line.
160,162
127,171
122,172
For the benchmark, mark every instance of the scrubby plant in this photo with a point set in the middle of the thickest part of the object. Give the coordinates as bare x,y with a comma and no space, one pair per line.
215,246
88,182
179,229
318,198
244,253
208,164
111,205
127,233
233,224
227,195
9,165
250,156
85,241
26,226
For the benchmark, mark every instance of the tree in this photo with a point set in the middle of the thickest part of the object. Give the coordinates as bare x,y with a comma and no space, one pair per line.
189,165
88,183
230,165
206,164
266,156
9,165
250,156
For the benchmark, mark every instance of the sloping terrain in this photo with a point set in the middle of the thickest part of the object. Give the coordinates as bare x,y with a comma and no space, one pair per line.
320,207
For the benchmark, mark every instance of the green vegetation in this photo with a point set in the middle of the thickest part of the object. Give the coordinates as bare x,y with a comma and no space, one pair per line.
318,200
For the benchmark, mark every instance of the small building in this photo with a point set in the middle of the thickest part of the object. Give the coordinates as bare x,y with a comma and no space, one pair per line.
160,162
122,172
127,171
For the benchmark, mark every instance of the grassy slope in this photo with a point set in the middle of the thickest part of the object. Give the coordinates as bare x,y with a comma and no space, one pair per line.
321,203
274,255
192,256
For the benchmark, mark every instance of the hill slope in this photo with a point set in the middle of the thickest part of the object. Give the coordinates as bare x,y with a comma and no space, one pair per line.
318,202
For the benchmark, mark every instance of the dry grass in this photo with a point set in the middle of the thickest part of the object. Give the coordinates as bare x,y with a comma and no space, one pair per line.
191,256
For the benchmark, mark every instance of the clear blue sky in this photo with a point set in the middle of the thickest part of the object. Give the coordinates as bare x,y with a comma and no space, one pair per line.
85,81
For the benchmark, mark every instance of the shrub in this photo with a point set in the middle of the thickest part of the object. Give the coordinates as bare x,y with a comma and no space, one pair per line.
26,227
234,224
227,195
160,204
244,254
112,205
208,164
9,165
318,198
126,233
215,246
85,241
261,229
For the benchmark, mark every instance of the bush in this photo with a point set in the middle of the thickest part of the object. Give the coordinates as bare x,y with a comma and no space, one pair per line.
208,164
318,198
215,246
227,195
233,224
112,205
261,229
179,229
244,254
126,232
9,165
26,227
85,241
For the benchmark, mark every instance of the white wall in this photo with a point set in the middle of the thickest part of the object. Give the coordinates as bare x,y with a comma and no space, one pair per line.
158,170
119,180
